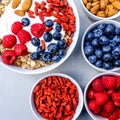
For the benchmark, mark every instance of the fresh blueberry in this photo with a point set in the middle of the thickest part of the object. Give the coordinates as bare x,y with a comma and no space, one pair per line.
89,36
56,58
40,50
61,44
62,53
98,53
113,43
57,35
46,56
109,30
116,39
47,37
35,41
117,31
116,63
97,33
49,23
106,49
116,51
107,57
34,56
101,26
98,63
95,42
107,65
103,40
25,21
87,43
52,47
89,50
58,27
92,59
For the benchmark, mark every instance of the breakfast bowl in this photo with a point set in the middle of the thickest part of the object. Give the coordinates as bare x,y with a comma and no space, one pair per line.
47,38
101,96
56,96
100,45
99,10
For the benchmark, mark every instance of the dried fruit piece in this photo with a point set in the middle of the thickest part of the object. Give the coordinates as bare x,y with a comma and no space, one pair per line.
101,14
26,5
95,3
88,6
19,12
15,3
85,2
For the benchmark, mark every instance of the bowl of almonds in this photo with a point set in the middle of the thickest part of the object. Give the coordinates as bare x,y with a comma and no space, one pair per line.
101,9
56,96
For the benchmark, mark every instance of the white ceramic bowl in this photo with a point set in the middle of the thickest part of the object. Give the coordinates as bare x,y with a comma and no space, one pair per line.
95,117
117,24
95,17
54,65
80,103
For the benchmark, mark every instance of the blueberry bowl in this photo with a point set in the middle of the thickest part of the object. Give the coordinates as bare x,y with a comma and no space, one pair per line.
100,45
96,12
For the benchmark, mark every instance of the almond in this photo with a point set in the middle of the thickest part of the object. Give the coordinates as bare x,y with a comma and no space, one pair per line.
15,3
19,12
26,5
95,9
102,4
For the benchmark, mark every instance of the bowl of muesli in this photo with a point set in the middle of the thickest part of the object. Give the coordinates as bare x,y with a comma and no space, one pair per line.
39,35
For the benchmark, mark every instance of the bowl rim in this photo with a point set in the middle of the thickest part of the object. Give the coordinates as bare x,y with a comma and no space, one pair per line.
80,103
85,93
83,39
54,65
95,17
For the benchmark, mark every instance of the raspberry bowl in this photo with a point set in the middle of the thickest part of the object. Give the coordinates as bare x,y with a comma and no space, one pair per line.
100,45
95,11
38,39
101,96
60,103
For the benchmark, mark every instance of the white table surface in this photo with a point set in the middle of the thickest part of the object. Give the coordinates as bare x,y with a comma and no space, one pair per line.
15,88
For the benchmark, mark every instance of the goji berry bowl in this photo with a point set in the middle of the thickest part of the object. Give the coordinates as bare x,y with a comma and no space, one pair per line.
40,40
99,10
102,96
100,45
56,96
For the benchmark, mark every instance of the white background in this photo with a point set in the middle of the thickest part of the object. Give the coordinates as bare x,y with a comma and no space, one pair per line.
15,88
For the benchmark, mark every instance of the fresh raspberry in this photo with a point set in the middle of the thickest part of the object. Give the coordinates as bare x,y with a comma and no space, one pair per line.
110,91
94,107
117,82
90,93
24,36
20,49
16,27
109,107
37,29
109,82
101,98
97,85
115,115
116,96
9,57
104,114
9,41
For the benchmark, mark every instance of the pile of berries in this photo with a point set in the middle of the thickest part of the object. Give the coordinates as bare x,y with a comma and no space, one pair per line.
53,51
102,46
103,96
39,35
9,41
